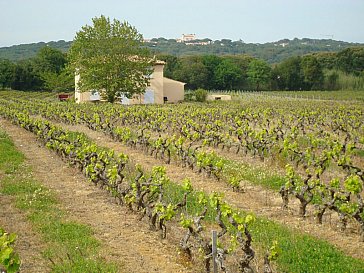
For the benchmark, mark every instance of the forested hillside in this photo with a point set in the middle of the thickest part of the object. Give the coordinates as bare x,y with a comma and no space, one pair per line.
27,51
273,52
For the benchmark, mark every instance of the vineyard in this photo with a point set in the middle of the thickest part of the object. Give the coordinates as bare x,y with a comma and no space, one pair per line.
280,179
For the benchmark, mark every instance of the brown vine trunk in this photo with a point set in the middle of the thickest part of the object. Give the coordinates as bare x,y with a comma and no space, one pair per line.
320,215
303,206
361,238
343,220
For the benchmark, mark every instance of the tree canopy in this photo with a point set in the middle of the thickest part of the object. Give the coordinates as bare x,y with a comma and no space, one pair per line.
109,57
7,70
258,73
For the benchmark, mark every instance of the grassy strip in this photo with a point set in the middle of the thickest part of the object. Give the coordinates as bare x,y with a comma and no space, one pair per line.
359,152
254,175
71,246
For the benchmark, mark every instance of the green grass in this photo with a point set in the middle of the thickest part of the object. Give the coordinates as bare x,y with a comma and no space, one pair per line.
254,175
10,158
71,246
303,253
359,152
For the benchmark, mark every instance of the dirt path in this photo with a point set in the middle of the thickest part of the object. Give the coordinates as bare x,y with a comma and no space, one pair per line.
255,199
28,245
125,239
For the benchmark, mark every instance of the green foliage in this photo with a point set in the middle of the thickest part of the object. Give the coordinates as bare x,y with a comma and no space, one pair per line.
50,65
9,259
351,60
339,80
109,57
64,81
219,65
192,71
7,70
227,75
22,52
172,63
331,81
26,77
312,73
272,52
200,95
289,75
49,59
353,184
258,73
187,186
274,251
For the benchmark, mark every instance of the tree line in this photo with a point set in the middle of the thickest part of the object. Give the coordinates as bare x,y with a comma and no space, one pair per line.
272,52
46,71
318,71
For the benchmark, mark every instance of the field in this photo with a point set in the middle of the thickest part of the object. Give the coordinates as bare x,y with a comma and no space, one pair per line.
279,176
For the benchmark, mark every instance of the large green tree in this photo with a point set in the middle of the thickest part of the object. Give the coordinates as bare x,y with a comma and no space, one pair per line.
228,75
313,76
171,65
192,71
351,60
289,75
110,57
25,77
49,59
259,73
49,64
211,62
7,71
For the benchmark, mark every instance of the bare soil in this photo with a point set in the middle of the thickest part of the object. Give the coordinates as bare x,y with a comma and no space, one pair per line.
256,199
125,239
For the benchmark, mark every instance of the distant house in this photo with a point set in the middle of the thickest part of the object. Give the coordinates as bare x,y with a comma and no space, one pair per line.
160,90
218,97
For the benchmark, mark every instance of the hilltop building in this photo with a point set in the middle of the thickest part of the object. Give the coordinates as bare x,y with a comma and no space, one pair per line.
187,38
190,39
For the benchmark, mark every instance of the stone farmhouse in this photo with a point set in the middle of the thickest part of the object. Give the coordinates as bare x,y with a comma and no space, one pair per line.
160,90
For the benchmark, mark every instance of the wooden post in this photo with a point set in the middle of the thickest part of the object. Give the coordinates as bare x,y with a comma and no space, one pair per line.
214,249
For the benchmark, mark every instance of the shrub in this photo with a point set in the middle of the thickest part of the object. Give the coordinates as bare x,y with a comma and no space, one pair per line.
200,94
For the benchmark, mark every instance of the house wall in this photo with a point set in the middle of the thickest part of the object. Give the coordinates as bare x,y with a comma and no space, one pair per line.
78,97
136,99
173,90
82,97
156,83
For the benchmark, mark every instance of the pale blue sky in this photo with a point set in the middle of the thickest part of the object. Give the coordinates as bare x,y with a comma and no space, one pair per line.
28,21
